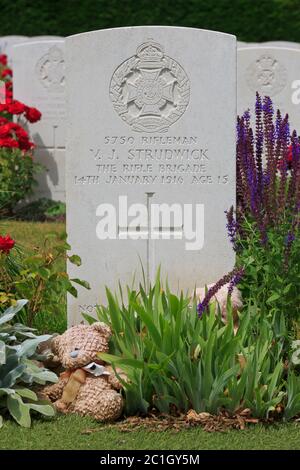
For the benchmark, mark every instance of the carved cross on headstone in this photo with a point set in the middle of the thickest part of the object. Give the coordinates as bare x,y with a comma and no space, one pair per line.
164,230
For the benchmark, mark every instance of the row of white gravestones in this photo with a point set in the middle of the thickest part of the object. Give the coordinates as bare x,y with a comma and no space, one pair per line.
39,81
150,157
272,71
147,117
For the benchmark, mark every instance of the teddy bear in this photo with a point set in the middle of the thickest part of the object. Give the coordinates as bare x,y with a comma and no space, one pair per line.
87,386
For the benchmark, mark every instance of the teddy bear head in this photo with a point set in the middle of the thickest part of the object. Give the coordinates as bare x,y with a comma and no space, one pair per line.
80,344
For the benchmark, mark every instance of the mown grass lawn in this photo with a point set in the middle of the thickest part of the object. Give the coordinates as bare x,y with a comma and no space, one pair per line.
69,432
29,235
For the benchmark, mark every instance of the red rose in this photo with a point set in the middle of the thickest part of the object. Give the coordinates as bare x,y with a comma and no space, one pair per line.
20,132
32,114
6,244
5,131
3,107
25,143
9,85
9,142
10,127
3,120
9,95
6,73
3,59
15,107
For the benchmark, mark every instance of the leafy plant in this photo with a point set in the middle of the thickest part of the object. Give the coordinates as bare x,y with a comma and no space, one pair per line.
38,278
292,407
56,210
265,233
41,210
17,178
259,385
18,372
17,168
175,360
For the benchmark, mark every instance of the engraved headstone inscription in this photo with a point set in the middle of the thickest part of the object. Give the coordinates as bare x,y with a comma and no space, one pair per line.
150,164
39,81
271,71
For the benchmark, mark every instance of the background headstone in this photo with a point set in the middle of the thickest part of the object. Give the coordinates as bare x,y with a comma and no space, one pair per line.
140,99
241,44
39,81
286,44
274,72
46,38
8,42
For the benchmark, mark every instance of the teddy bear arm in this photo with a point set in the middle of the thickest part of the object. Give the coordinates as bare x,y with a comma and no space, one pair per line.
113,379
55,391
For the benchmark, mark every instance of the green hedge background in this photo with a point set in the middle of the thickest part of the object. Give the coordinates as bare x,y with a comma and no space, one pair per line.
256,20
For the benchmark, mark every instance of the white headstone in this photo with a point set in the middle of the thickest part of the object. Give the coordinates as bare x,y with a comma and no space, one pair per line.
242,44
286,44
274,72
151,121
46,38
8,42
39,81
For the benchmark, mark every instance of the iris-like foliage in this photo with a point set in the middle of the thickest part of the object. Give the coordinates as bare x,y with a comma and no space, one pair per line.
175,361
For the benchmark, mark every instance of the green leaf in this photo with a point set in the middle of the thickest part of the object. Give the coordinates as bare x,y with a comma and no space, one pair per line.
110,358
75,259
88,318
28,347
274,380
287,288
273,298
44,408
146,318
44,273
9,313
2,352
81,283
7,391
12,376
19,410
26,393
71,289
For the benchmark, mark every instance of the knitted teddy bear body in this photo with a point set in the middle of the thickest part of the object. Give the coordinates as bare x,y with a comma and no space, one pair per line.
87,387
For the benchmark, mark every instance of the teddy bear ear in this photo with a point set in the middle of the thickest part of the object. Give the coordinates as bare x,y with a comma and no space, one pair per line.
102,328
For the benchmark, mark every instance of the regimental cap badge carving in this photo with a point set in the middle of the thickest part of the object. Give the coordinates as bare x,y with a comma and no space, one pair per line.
50,69
266,75
150,91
